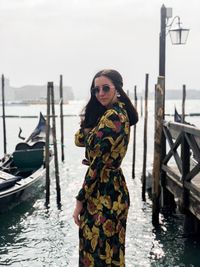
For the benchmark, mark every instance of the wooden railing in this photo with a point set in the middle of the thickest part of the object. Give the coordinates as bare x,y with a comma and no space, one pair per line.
183,175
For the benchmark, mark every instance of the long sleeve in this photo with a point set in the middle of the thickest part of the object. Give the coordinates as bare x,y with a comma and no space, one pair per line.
80,138
110,131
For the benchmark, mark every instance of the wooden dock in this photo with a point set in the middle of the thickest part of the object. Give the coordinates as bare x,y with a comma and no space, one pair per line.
183,174
176,167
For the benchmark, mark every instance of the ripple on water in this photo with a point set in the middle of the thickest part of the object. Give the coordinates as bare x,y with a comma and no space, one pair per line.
32,236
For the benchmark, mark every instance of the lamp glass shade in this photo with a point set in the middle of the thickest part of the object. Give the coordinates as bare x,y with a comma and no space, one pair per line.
179,36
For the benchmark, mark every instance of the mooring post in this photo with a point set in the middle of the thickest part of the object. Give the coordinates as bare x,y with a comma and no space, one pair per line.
184,202
134,135
183,104
145,140
49,85
141,106
55,147
61,118
3,113
158,135
185,158
185,155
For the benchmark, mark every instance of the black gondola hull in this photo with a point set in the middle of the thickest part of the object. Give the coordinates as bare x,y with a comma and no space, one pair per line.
22,174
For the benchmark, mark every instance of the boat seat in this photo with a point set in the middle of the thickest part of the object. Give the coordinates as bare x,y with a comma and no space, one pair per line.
39,144
22,146
29,159
25,146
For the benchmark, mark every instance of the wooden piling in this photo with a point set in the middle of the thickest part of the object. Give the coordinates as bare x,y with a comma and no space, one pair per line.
55,147
145,140
189,221
49,85
185,158
183,104
141,106
134,135
191,226
3,114
159,115
167,202
61,119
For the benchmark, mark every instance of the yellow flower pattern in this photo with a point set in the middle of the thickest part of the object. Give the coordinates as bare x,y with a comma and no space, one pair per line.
104,193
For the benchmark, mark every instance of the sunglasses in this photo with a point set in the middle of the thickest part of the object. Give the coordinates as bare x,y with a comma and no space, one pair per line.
106,88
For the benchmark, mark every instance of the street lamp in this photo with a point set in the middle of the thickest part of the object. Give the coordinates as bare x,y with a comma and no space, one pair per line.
159,174
178,35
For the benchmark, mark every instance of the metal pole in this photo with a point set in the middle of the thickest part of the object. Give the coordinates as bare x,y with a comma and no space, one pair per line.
162,44
3,113
61,118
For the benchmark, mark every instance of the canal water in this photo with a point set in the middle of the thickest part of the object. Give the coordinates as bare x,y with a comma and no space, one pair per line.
32,236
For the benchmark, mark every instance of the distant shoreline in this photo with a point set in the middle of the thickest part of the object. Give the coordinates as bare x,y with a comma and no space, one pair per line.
139,96
34,116
28,103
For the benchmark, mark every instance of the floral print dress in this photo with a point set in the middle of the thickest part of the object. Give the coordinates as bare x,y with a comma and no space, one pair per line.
104,193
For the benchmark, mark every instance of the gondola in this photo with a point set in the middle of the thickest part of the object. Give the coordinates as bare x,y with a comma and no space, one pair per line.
22,173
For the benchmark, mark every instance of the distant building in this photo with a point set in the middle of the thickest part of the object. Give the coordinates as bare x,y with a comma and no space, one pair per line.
9,93
34,93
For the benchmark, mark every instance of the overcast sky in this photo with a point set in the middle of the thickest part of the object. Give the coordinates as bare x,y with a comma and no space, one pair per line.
41,39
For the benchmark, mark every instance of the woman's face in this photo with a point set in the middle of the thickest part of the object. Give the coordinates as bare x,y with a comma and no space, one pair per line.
105,91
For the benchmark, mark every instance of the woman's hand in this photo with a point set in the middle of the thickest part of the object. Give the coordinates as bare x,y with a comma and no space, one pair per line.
87,130
77,211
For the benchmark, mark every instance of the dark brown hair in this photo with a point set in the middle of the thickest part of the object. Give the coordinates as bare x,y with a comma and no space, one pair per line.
94,110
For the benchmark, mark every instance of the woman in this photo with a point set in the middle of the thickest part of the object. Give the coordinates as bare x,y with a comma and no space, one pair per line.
103,201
